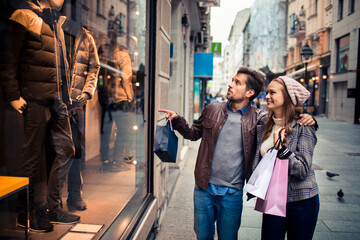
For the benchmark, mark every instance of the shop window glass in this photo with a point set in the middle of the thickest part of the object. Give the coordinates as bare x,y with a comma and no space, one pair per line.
342,54
76,123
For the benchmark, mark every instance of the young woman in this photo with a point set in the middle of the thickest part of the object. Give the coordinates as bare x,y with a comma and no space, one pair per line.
298,143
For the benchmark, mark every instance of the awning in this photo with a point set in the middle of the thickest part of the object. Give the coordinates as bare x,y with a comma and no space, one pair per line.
302,70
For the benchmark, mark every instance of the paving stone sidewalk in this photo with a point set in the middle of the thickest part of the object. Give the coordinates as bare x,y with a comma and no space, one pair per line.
337,150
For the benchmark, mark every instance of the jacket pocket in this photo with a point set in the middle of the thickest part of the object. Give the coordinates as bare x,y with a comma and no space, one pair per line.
208,128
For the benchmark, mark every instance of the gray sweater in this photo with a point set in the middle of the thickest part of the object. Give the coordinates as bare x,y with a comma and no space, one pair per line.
227,168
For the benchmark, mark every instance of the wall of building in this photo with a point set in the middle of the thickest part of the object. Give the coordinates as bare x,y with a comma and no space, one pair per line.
175,81
342,107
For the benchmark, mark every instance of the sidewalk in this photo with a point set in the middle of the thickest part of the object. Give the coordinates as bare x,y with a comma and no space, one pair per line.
337,151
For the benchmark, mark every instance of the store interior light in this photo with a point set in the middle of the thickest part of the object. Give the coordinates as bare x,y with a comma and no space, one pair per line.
302,80
137,84
324,77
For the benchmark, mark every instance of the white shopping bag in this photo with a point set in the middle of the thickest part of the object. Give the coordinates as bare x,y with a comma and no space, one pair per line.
260,178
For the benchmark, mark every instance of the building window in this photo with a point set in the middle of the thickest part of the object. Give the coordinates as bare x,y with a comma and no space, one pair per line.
292,23
351,6
97,6
340,9
314,46
315,6
292,55
329,40
342,53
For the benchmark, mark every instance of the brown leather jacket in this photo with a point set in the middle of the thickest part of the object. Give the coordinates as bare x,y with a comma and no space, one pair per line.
208,128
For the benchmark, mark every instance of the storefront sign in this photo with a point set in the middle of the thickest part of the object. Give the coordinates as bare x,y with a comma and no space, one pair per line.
216,49
203,65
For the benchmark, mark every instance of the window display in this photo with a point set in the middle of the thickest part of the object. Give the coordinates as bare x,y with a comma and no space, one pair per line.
72,99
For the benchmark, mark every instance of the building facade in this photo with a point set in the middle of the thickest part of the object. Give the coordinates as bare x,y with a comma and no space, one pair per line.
344,82
310,22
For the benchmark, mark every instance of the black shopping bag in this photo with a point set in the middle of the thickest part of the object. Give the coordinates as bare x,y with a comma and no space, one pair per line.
165,143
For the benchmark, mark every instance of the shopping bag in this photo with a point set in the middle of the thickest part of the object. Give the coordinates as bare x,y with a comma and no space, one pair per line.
166,143
260,178
276,196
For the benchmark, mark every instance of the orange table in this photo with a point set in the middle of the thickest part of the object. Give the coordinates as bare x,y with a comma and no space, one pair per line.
12,185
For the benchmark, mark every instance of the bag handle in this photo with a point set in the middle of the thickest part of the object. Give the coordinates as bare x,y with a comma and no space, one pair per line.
169,120
277,143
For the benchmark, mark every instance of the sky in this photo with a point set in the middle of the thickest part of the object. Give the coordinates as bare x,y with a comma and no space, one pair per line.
223,17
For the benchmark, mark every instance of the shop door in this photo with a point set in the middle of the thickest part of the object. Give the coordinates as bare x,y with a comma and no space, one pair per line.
340,97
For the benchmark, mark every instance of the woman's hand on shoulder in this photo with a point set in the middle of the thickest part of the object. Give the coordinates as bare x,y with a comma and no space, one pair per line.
307,120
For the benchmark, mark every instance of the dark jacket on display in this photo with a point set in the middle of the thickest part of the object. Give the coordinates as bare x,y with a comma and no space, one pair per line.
37,39
85,65
208,128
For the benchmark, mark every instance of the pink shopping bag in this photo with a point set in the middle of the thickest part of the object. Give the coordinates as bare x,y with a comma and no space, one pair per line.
276,196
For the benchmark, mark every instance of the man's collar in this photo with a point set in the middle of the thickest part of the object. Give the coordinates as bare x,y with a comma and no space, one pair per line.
242,111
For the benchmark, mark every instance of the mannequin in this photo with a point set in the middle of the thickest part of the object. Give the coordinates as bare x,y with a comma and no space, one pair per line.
84,73
38,61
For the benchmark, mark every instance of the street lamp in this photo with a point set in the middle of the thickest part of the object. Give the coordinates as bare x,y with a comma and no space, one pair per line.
306,52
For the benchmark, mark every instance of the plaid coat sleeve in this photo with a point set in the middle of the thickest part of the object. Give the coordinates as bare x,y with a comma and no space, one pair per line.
301,144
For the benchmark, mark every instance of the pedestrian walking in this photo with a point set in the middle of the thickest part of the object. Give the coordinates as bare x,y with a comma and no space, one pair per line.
298,143
226,154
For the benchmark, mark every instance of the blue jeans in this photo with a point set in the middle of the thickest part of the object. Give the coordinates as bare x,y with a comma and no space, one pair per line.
299,223
225,210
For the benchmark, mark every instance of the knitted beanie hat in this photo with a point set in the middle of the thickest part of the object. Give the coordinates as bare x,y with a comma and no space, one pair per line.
297,92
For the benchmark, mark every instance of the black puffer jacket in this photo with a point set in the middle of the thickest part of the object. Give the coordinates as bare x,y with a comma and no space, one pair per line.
85,65
37,39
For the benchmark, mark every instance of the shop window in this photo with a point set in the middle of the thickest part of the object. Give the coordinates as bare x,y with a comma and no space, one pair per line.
103,102
342,53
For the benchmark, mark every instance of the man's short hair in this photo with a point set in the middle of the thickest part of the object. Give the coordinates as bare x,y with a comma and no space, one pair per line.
254,80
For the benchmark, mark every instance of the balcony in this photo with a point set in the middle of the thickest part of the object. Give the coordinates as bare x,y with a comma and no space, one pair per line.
297,30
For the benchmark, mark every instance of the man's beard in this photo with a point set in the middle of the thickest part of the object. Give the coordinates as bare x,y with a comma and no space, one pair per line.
239,100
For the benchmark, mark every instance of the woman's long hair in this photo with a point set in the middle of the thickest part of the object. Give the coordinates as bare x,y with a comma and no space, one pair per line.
289,113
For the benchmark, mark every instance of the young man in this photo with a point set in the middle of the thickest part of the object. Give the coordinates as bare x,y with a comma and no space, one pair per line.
225,156
37,85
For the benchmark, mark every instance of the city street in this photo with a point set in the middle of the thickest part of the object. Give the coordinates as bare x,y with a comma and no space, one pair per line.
337,151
